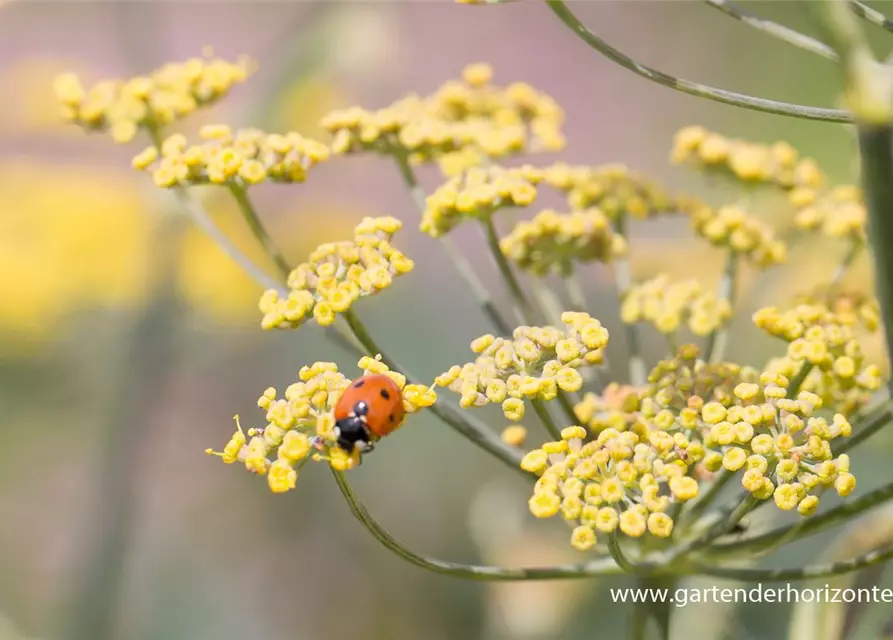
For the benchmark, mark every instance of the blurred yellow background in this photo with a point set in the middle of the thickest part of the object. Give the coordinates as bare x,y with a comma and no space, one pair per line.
104,418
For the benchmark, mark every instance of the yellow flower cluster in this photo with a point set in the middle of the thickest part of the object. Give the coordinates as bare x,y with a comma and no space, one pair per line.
614,409
612,188
336,275
723,417
614,482
778,164
553,242
245,157
824,341
839,214
476,194
667,305
731,227
852,308
535,363
303,423
165,95
464,115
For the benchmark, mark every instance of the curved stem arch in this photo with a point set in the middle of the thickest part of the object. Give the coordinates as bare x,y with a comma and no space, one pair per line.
745,101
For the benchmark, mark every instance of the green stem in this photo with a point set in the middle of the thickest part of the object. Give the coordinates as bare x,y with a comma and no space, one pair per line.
601,567
855,249
808,526
638,374
619,557
718,338
799,379
774,29
522,305
724,523
472,429
871,15
599,374
575,290
546,418
456,257
707,498
873,423
561,10
547,300
203,221
808,572
257,228
876,153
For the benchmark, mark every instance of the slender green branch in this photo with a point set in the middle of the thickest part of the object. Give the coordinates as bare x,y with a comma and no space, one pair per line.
722,524
707,498
549,303
799,379
546,418
598,374
472,429
718,338
871,15
561,10
774,29
575,291
522,305
203,221
619,557
848,259
257,228
873,423
808,572
457,258
877,179
638,373
807,526
601,567
567,406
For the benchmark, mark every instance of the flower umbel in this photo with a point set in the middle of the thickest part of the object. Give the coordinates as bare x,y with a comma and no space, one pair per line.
123,107
477,194
778,164
244,157
553,242
668,305
471,117
824,342
535,364
301,425
336,275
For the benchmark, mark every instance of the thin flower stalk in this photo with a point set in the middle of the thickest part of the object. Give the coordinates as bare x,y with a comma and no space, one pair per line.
774,29
873,16
727,290
460,263
246,207
809,572
523,309
854,251
602,567
570,20
774,538
624,281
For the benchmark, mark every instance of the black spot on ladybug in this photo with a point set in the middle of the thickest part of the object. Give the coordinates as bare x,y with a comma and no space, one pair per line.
384,394
391,417
358,384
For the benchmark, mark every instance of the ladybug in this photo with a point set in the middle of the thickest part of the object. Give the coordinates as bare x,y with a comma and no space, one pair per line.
371,407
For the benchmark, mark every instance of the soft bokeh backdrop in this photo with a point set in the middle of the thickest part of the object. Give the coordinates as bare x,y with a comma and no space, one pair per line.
107,502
